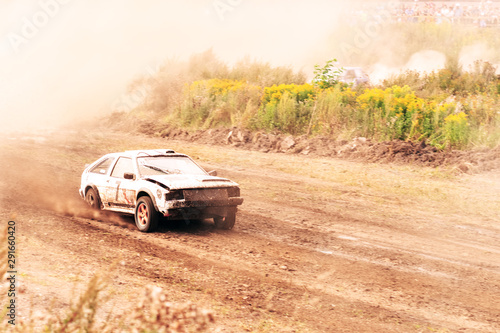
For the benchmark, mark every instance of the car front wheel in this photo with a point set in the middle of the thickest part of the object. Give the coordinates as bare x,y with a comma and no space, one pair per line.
225,223
146,216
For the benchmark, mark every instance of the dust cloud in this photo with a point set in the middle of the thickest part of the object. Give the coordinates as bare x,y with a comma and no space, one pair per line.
30,180
423,61
477,51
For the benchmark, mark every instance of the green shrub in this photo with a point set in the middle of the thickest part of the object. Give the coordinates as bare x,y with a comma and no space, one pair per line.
456,130
332,111
327,76
286,108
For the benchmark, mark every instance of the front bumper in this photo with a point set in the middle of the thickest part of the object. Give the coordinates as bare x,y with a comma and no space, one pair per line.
179,204
184,209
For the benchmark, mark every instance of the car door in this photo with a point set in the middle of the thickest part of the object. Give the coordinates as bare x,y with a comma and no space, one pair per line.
121,191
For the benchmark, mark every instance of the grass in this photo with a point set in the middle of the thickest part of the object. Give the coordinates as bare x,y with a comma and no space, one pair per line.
462,114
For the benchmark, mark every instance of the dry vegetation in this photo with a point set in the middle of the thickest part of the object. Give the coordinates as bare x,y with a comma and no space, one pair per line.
152,313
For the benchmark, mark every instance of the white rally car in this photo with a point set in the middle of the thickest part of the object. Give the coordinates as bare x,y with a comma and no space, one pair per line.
155,183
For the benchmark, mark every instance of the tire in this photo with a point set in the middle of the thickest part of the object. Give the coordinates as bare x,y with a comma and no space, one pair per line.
225,223
146,216
93,199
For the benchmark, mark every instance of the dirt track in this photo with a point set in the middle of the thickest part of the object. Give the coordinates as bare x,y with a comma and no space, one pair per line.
320,245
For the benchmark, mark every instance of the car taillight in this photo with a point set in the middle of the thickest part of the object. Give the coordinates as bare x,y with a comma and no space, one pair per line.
174,195
233,192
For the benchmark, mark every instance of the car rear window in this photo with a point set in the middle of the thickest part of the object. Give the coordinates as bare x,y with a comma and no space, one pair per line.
102,167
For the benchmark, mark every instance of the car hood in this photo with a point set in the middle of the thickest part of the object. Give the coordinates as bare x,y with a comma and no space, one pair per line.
177,182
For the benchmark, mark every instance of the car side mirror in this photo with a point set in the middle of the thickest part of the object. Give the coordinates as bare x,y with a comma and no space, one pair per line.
213,173
128,175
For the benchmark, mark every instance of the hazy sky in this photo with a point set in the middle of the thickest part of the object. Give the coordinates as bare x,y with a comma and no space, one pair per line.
72,59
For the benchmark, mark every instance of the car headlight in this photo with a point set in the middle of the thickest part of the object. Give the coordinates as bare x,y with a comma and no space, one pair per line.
233,192
174,195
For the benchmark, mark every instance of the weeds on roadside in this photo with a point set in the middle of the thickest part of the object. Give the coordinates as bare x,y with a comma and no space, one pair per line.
393,113
453,108
456,81
165,90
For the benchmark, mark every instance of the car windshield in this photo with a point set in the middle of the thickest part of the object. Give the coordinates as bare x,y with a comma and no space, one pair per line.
165,165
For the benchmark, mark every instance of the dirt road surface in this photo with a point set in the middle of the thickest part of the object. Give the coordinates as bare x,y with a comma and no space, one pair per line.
319,245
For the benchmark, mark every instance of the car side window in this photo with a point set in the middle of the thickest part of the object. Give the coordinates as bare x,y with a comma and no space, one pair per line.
123,165
102,167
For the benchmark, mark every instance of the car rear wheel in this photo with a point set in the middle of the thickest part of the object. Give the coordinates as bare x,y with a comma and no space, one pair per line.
146,216
93,199
225,223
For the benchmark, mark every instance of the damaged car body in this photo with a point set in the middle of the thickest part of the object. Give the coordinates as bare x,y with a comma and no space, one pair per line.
151,184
